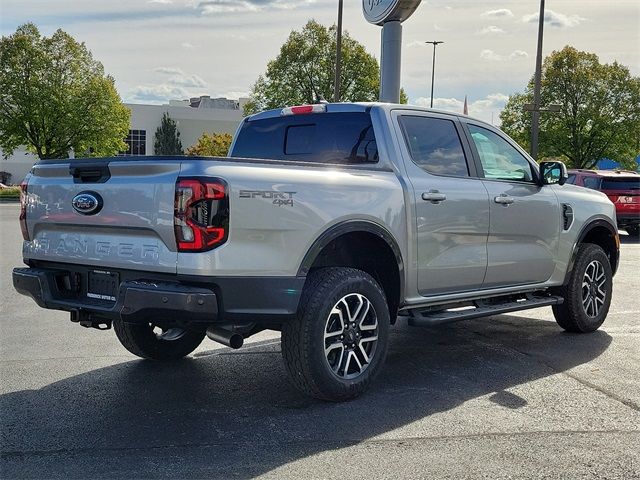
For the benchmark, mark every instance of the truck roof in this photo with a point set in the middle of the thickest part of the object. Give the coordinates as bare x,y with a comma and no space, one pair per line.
362,107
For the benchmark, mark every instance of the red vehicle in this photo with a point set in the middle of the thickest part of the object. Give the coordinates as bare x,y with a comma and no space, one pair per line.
623,189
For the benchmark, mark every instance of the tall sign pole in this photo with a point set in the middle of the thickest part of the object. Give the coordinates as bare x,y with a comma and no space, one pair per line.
336,88
535,114
389,14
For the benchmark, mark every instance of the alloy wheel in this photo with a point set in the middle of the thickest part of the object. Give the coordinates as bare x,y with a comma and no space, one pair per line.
594,291
351,336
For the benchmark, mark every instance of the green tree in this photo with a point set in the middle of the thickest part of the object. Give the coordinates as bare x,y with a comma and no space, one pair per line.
55,97
211,145
599,116
304,71
167,138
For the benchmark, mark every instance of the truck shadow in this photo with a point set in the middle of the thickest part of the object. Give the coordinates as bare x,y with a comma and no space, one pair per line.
234,414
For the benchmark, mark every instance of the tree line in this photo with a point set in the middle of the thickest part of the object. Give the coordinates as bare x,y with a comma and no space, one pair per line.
55,97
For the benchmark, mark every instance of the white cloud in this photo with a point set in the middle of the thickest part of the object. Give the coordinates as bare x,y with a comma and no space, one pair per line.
483,109
555,19
187,45
180,78
163,2
491,29
169,70
156,94
193,81
500,12
516,54
209,7
487,54
492,56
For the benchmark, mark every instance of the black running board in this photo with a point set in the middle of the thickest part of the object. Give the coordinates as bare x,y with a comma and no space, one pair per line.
430,317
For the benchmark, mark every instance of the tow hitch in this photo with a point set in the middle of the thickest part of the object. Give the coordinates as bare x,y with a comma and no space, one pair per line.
88,320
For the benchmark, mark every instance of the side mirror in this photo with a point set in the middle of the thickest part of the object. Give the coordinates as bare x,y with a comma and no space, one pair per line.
552,173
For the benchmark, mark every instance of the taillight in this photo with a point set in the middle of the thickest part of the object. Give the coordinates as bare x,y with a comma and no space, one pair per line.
23,209
201,214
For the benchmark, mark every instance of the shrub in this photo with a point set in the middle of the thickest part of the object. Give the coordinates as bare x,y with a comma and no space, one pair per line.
11,192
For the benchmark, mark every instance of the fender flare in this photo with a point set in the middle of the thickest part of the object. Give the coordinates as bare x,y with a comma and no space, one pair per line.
598,222
352,226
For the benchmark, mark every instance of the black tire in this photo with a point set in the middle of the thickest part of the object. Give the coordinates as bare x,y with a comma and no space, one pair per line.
633,231
143,341
573,315
304,339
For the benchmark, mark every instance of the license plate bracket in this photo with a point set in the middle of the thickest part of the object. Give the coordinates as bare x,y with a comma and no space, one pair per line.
102,285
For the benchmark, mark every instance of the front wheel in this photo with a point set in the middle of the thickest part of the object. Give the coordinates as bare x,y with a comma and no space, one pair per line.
337,343
149,341
587,295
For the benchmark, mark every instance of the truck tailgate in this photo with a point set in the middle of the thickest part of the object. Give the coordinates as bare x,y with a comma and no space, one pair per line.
133,228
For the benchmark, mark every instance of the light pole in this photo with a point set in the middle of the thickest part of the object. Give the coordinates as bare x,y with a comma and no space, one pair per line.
433,67
336,91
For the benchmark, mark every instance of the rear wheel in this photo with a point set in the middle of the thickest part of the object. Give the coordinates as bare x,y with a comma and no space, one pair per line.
338,341
149,341
587,295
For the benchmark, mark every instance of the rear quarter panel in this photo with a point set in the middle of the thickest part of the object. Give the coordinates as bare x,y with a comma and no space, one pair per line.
278,211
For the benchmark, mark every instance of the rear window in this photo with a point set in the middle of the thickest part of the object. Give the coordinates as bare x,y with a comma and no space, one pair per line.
622,183
342,138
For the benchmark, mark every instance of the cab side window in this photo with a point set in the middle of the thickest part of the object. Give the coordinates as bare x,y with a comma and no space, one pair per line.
499,159
434,145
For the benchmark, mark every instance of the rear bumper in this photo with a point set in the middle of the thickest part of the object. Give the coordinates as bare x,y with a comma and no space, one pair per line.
142,296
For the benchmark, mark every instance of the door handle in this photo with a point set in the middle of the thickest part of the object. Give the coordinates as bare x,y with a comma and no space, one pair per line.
434,196
504,199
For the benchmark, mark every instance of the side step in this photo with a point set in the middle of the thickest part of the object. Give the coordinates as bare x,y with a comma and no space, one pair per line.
480,308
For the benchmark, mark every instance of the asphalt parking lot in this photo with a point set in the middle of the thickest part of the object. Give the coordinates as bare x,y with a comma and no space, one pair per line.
507,397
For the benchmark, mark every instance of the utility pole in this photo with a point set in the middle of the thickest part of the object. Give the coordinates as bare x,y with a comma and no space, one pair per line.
433,67
336,91
535,114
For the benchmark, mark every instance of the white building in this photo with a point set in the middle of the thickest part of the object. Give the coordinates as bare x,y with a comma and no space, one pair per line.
194,117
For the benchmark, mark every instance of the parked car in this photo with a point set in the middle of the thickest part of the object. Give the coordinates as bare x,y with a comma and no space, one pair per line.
623,189
326,223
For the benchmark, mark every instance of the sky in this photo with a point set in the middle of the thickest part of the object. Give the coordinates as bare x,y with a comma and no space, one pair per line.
174,49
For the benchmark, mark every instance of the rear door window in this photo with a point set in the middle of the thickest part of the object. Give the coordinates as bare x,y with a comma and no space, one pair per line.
434,145
342,138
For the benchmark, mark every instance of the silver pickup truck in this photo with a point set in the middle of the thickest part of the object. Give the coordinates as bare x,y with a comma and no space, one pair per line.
326,222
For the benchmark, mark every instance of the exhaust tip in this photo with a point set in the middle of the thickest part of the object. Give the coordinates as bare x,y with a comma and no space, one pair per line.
236,341
225,337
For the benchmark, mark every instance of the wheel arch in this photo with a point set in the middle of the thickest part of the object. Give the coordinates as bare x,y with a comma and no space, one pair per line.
349,244
599,232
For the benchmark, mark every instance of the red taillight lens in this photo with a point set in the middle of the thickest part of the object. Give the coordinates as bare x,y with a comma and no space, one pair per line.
201,214
23,209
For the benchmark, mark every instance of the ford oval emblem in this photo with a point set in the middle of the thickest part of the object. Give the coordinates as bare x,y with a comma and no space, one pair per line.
379,12
87,203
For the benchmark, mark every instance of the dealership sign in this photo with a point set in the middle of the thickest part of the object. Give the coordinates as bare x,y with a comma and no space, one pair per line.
379,12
